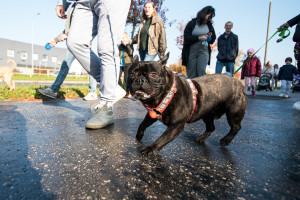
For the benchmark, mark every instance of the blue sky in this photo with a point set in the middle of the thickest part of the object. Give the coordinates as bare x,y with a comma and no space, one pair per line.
249,23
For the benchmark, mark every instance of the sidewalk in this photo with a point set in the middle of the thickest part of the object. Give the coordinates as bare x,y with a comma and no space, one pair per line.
274,95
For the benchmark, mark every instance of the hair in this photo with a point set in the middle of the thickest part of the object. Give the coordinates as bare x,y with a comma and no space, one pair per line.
154,10
229,22
275,65
288,59
267,65
203,12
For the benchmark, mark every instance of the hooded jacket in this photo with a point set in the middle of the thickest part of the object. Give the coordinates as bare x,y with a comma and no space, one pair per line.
228,47
251,68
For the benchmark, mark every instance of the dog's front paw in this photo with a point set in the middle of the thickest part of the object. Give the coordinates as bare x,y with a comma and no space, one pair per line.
150,149
225,141
200,139
139,135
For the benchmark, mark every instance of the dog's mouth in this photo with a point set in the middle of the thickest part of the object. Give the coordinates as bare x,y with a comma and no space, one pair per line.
139,94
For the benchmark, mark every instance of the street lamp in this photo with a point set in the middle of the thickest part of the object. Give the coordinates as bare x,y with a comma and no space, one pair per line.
32,70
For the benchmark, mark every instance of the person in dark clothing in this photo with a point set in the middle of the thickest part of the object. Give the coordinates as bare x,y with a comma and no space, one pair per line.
286,76
228,47
126,57
196,45
296,37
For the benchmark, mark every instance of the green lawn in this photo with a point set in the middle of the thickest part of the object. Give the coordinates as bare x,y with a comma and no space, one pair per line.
46,78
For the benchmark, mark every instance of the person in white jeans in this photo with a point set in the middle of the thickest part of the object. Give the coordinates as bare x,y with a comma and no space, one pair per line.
105,18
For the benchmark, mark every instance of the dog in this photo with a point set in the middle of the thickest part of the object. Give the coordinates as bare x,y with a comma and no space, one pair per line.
6,74
176,101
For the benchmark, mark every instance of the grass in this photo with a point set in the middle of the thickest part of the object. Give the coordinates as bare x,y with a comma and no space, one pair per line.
30,93
43,77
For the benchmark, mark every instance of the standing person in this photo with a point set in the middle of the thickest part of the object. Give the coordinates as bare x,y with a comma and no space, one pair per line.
251,70
286,73
126,57
65,66
296,37
107,20
196,49
275,76
151,38
228,47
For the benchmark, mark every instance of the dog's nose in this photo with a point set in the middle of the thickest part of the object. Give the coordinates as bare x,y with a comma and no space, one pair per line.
139,81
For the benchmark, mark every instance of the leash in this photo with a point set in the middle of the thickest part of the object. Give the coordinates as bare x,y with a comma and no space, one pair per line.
282,34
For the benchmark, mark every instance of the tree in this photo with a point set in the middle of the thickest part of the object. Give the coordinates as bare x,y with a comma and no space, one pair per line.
134,17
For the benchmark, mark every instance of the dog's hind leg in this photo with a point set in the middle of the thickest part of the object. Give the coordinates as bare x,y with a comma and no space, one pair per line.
234,121
210,127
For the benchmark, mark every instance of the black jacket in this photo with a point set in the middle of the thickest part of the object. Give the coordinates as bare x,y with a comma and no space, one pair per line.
190,39
286,72
228,48
292,22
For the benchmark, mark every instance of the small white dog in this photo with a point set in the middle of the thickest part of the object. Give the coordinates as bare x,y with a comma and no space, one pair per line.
296,105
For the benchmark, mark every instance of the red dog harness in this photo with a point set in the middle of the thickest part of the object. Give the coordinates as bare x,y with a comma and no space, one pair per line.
157,112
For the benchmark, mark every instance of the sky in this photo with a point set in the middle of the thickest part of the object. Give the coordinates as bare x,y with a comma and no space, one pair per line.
250,19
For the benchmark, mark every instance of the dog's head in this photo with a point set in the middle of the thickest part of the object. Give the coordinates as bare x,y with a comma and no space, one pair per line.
148,79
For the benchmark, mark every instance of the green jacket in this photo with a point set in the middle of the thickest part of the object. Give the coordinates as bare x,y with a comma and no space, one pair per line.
127,54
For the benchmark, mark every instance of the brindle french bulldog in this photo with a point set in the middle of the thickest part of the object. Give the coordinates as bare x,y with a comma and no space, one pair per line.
152,81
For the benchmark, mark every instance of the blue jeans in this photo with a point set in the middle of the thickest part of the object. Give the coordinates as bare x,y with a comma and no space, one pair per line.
229,67
146,57
63,72
285,86
92,84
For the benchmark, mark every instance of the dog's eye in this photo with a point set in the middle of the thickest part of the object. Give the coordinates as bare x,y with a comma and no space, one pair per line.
153,75
132,75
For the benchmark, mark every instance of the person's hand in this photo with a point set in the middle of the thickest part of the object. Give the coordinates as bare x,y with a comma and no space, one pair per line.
285,25
60,11
52,43
124,41
209,34
202,38
63,37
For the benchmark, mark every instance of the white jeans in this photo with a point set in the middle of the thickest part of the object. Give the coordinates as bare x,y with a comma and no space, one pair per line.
107,20
285,86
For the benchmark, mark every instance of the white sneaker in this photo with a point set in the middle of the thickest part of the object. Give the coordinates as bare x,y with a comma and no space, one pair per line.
90,96
281,95
48,92
120,93
286,96
103,117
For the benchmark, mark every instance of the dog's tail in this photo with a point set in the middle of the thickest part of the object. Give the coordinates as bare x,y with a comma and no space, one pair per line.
12,62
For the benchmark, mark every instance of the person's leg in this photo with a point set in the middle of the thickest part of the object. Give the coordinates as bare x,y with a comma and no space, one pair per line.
92,84
142,55
111,23
246,83
230,67
126,69
283,86
202,61
63,72
191,68
120,75
82,32
219,67
288,87
148,57
297,54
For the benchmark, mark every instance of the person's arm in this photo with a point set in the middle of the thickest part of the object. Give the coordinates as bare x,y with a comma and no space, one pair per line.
129,49
162,42
61,7
279,74
237,46
188,37
258,68
212,34
294,21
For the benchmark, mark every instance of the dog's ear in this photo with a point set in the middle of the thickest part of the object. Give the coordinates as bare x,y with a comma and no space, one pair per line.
135,59
163,61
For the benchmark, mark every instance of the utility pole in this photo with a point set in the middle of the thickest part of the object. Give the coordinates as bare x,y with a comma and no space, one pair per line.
266,49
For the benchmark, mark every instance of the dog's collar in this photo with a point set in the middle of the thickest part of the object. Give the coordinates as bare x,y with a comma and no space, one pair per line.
157,112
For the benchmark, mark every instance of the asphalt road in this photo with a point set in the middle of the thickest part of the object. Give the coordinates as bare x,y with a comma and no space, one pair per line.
46,153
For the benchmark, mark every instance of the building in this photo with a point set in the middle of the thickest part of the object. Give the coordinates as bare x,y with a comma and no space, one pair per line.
20,52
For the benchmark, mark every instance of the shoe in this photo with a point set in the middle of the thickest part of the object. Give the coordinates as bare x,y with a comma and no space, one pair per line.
90,96
103,117
48,92
253,94
286,96
128,95
281,94
120,93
